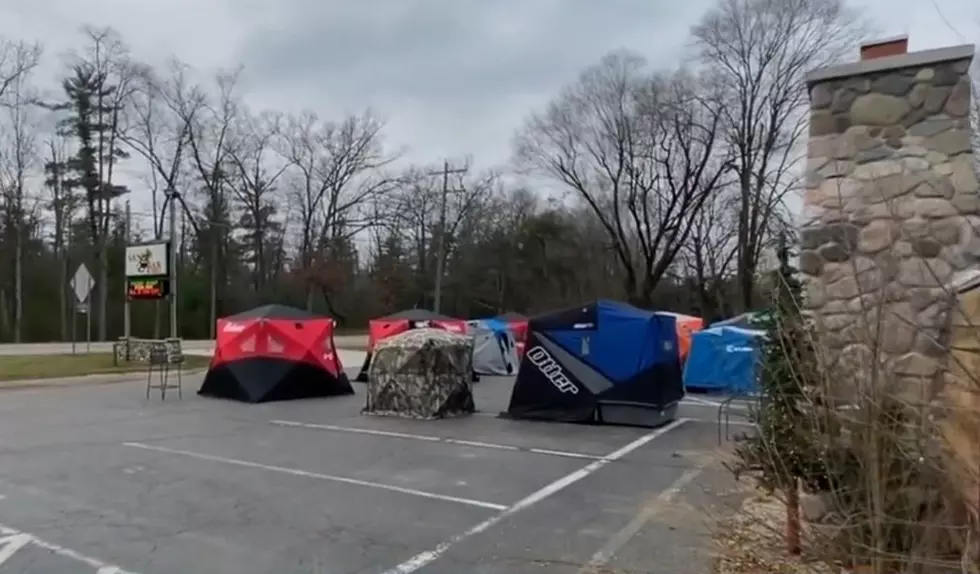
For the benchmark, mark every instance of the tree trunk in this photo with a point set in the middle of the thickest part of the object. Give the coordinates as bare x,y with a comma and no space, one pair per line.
745,273
213,318
103,287
101,248
68,311
4,314
19,281
60,256
793,519
63,293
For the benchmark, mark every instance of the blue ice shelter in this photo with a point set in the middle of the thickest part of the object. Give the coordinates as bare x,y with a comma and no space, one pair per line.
603,362
724,359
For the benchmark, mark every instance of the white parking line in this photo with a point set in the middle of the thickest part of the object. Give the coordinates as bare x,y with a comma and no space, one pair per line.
13,540
431,438
699,402
317,475
10,544
425,558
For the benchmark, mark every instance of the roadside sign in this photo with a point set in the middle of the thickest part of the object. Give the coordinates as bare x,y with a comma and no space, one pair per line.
147,288
82,283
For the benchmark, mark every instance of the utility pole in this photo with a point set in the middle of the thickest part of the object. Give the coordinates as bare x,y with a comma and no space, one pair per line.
441,250
172,199
127,317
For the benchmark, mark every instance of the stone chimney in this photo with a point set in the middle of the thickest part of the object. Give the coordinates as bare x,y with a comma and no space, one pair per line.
891,208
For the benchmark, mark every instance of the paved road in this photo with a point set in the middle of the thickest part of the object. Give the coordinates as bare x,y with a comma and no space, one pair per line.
190,346
96,479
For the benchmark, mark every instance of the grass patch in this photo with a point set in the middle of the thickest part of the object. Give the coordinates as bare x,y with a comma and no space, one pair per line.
13,368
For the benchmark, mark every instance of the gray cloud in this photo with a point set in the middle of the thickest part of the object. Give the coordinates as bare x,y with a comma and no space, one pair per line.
466,69
453,77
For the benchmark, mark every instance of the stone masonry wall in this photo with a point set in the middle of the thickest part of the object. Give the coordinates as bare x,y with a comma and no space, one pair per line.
891,209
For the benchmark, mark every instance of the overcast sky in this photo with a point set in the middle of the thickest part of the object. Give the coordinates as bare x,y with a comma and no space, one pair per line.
452,77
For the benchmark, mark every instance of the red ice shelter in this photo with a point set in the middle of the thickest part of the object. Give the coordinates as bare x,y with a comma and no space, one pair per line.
275,353
402,321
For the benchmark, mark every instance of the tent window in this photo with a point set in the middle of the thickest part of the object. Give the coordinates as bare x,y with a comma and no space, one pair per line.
248,345
585,345
275,346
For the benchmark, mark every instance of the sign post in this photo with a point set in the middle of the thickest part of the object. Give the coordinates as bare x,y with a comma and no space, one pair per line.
81,284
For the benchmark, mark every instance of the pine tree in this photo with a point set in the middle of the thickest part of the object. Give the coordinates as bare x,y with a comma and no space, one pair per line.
91,121
783,451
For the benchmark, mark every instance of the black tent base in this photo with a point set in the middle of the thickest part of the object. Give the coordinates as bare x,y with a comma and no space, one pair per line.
266,379
362,375
723,392
614,413
635,414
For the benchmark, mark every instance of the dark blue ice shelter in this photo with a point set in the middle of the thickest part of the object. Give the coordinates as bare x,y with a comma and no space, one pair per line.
603,362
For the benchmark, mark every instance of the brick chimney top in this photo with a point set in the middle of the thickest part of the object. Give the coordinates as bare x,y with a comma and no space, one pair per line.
894,46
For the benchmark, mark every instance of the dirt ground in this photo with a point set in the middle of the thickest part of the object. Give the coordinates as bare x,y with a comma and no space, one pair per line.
751,540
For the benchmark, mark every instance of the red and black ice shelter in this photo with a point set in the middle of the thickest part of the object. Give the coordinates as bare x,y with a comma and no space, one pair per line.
275,353
384,327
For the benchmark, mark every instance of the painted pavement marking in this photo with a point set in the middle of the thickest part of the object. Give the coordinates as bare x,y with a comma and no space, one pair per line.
435,439
316,475
425,558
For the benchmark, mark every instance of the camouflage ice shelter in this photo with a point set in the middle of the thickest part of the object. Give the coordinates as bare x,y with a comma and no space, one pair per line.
391,325
421,373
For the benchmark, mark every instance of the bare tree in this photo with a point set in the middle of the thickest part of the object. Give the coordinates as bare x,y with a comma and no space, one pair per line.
62,204
758,52
211,124
158,119
640,150
18,158
440,226
710,252
210,142
338,167
17,59
256,171
412,217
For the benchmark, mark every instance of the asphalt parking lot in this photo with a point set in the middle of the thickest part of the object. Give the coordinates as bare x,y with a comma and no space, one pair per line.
96,479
